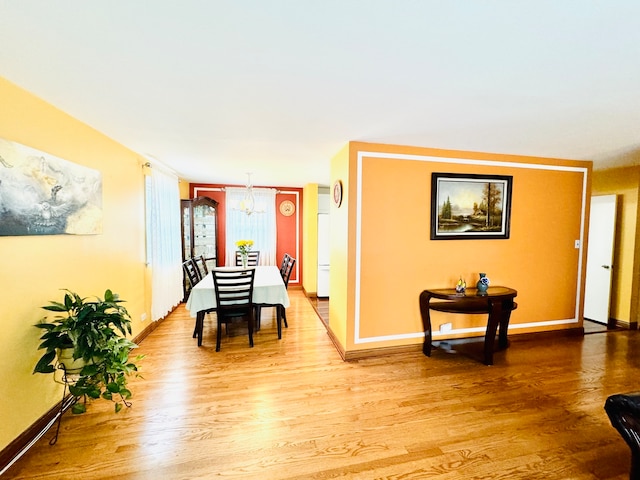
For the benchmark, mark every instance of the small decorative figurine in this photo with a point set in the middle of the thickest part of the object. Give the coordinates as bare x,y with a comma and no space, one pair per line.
461,286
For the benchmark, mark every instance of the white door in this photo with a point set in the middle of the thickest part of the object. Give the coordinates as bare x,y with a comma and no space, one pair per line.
602,230
324,240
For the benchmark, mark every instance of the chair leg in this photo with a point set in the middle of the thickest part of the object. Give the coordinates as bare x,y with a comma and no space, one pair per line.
250,328
198,329
218,335
258,311
279,321
284,316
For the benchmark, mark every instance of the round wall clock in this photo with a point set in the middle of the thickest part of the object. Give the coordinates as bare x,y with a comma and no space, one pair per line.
287,208
337,193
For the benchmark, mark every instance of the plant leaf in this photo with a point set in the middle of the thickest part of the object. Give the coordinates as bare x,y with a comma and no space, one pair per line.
113,387
44,364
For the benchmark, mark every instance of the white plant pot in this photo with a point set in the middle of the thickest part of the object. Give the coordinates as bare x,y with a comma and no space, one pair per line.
71,365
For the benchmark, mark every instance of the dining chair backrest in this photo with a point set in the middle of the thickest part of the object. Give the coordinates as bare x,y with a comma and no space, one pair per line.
288,268
201,265
253,258
234,299
234,289
191,271
285,260
288,262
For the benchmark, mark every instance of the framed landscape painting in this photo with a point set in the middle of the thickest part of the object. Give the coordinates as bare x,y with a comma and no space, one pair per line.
468,206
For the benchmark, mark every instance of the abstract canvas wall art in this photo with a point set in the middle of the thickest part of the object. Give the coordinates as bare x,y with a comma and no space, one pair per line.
44,195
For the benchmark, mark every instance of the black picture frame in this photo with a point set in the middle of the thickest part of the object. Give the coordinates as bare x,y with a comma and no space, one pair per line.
470,207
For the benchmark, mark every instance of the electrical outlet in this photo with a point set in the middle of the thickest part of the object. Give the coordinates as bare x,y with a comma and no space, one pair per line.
577,243
143,317
446,327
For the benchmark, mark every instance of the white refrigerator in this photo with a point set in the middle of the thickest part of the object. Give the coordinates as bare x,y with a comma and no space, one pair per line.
323,255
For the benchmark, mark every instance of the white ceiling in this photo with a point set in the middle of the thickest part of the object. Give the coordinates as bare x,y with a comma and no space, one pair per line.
218,88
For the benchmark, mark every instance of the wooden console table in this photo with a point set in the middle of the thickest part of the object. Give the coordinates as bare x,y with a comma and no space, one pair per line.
497,302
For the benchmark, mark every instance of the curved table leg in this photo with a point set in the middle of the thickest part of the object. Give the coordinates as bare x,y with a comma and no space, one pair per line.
499,315
426,322
495,319
507,308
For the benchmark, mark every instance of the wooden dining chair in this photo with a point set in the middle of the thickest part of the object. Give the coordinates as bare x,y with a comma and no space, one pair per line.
191,277
191,272
253,258
285,260
234,299
202,270
286,275
201,265
281,314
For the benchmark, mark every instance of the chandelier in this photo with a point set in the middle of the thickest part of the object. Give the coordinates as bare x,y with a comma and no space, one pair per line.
248,202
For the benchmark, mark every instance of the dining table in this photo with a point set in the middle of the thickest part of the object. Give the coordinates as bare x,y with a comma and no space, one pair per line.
268,289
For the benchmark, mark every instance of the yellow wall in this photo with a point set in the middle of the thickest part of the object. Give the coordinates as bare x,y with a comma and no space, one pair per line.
341,272
625,183
183,187
35,268
385,258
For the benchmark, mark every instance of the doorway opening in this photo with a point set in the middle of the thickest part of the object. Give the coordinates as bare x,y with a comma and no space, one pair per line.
591,326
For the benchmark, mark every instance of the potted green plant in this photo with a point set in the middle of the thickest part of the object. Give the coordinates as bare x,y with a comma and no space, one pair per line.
93,333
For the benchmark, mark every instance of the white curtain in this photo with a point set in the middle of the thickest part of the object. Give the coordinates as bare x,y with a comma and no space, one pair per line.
164,249
260,226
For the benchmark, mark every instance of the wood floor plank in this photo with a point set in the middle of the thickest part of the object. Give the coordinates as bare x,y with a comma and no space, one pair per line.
292,409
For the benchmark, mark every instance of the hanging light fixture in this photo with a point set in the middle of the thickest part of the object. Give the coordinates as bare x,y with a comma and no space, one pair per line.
248,203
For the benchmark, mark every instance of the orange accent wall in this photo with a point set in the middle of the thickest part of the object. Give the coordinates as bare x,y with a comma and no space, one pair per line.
289,229
388,257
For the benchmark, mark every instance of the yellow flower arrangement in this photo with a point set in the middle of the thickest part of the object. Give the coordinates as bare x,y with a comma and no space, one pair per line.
244,246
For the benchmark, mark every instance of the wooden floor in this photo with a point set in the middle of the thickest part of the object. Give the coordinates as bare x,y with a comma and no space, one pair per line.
595,327
292,409
321,306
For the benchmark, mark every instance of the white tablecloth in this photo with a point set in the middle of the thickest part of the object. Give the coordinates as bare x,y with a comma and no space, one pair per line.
268,288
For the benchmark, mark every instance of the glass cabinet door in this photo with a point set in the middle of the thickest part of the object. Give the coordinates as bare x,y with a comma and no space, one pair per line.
199,218
186,228
200,229
204,232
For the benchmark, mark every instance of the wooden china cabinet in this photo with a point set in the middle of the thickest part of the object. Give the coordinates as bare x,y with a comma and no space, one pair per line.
199,231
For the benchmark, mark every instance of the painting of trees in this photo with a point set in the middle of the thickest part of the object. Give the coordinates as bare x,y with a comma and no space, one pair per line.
446,209
493,197
470,206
